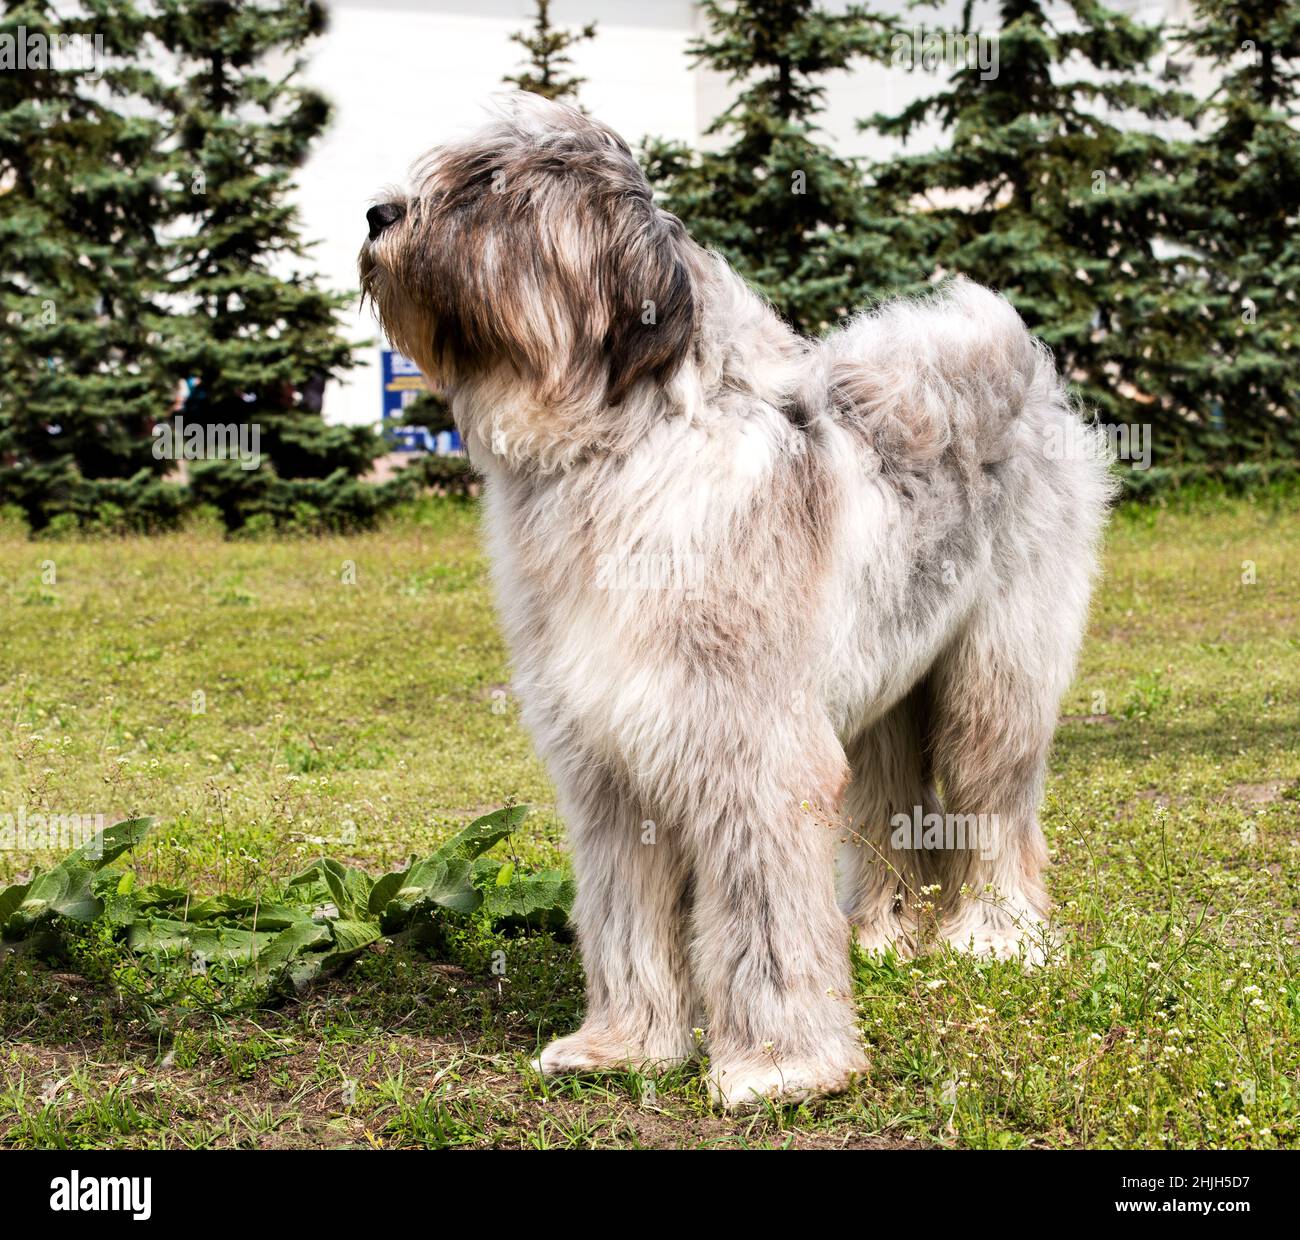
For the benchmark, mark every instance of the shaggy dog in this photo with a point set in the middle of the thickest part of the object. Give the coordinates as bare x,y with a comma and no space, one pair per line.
764,595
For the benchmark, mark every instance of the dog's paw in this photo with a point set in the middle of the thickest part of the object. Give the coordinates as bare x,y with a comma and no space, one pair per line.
748,1085
599,1050
1027,939
885,933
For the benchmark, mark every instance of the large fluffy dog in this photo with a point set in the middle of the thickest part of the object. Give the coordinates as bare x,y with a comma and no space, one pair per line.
763,595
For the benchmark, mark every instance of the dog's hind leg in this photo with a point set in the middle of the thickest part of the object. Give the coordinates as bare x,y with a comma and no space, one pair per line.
632,913
997,691
879,870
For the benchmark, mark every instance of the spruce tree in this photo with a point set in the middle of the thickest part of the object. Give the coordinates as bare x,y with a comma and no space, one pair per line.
1243,214
546,70
1054,185
80,211
253,332
789,214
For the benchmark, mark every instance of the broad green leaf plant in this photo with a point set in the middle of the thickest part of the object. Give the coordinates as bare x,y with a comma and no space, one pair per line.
318,921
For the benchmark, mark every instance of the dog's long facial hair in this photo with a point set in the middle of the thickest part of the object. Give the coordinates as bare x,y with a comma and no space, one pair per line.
764,597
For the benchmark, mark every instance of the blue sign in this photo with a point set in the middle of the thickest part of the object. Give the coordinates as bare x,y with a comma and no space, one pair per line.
402,384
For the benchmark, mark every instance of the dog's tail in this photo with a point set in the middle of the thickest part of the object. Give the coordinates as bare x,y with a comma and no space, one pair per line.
947,373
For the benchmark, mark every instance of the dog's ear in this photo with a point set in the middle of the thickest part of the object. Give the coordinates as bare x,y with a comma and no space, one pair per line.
651,313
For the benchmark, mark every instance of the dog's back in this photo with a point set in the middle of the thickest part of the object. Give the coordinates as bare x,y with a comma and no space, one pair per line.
946,374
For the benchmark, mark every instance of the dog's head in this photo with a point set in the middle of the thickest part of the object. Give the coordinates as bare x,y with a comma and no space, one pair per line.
534,247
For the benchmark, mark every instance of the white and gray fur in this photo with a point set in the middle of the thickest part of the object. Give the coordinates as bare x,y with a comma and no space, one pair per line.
873,560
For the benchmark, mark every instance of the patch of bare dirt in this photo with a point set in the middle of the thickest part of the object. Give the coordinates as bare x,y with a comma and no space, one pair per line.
1256,794
286,1100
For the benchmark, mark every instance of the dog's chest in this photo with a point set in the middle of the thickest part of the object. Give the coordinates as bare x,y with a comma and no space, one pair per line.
559,604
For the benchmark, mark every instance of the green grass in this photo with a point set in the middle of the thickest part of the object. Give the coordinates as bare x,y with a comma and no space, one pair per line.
268,701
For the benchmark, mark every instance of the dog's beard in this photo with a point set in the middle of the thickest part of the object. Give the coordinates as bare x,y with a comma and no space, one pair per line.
366,266
371,278
404,324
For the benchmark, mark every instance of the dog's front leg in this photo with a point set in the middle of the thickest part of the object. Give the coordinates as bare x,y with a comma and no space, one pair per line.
770,947
631,915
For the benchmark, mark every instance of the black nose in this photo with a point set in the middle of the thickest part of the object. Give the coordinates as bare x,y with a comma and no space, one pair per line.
381,216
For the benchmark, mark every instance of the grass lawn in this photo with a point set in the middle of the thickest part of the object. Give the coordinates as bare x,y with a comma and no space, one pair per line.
270,701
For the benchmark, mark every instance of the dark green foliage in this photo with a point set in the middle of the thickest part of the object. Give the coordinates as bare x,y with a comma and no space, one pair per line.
793,217
259,501
1039,190
447,475
142,504
1277,476
1160,269
151,252
546,71
56,498
1242,377
251,338
430,411
81,376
